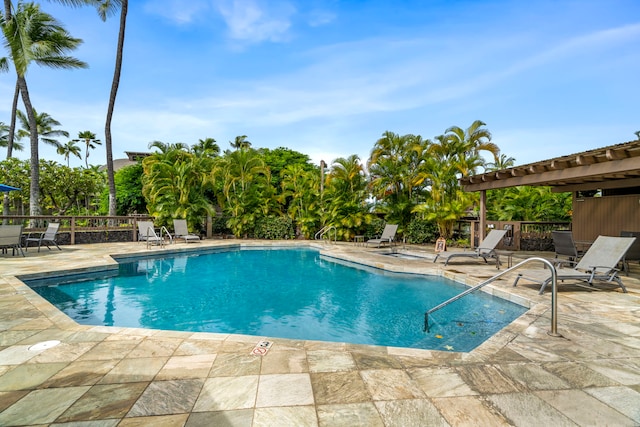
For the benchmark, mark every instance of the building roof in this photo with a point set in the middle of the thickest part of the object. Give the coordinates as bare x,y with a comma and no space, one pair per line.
615,166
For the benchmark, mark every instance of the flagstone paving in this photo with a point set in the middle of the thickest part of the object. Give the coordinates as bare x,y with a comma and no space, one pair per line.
110,376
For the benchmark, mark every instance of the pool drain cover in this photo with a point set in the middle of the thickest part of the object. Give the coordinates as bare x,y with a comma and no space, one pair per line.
44,345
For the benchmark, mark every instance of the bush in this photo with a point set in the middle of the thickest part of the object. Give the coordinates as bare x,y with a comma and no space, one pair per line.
421,231
219,225
374,229
274,228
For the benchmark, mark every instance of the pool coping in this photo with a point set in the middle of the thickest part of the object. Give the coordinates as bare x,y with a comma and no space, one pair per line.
491,344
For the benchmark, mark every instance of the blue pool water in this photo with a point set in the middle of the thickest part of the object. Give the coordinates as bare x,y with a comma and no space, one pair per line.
292,293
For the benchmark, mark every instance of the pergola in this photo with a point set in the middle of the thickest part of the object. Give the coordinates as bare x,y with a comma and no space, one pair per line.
607,169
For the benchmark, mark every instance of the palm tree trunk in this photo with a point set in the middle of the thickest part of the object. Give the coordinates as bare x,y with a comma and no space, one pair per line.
34,192
10,139
5,197
21,83
112,100
12,125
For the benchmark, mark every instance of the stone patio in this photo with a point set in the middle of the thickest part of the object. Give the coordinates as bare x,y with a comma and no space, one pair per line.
108,376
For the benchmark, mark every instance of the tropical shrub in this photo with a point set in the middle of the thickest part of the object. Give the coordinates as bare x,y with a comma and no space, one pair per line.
274,228
421,231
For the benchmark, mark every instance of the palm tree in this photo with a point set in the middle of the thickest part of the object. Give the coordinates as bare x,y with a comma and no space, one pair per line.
452,155
34,36
68,149
394,166
165,148
90,141
301,195
465,146
45,125
206,147
345,197
246,182
106,7
174,183
240,143
4,140
502,162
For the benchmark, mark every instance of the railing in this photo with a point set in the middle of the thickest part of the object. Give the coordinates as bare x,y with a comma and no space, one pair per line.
554,301
326,230
78,224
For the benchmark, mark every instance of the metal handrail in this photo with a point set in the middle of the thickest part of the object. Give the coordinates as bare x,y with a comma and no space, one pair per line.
320,232
151,233
168,234
554,300
326,230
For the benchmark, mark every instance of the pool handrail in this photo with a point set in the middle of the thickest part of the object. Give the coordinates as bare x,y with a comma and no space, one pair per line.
554,290
327,230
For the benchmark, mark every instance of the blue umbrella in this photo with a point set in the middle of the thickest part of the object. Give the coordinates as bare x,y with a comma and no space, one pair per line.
4,188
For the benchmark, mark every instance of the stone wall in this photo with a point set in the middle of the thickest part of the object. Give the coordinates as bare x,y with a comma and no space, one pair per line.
84,237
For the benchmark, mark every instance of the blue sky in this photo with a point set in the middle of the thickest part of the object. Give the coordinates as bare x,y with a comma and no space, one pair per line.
328,77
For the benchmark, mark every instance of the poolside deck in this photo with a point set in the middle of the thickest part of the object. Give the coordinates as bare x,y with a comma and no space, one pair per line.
104,376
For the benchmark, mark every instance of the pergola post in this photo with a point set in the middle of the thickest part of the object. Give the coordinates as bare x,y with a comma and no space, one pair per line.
483,215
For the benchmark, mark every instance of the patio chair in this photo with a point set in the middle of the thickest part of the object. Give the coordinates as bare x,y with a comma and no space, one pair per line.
147,233
486,249
564,245
388,235
11,237
46,237
633,254
598,263
181,231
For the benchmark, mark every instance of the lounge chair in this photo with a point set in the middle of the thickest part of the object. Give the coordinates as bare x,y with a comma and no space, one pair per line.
388,235
564,245
633,254
181,231
147,233
486,249
46,237
597,263
10,237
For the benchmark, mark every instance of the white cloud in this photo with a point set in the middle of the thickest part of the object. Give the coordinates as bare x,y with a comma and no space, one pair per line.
177,11
255,21
318,18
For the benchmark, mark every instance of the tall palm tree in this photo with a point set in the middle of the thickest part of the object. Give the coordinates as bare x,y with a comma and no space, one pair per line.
34,36
394,166
106,7
452,155
68,149
45,127
90,141
465,146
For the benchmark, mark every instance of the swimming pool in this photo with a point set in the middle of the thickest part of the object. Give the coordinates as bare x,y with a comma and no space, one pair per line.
287,293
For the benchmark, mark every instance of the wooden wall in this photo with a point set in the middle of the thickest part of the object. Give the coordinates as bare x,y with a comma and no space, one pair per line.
594,216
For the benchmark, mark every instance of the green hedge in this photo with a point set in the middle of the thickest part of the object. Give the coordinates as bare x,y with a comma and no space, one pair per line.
274,228
420,231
